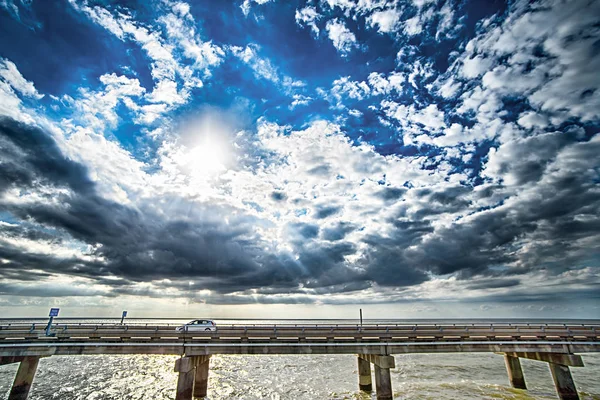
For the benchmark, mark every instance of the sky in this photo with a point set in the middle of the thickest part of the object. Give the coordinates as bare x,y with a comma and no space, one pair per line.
291,159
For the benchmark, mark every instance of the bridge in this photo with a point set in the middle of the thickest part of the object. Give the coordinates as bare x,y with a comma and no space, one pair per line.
558,345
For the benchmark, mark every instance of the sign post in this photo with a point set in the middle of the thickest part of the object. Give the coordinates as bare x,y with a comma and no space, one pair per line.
53,313
360,316
123,316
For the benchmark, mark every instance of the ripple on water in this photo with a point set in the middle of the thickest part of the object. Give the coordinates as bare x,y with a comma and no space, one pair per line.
302,377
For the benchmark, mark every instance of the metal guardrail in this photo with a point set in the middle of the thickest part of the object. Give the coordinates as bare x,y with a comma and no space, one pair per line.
451,332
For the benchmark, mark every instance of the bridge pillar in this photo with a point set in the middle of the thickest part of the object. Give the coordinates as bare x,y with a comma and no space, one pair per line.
201,381
383,383
364,375
565,387
185,383
24,378
383,379
515,372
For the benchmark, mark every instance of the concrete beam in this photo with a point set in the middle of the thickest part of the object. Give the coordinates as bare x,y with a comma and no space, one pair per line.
565,387
383,383
571,360
10,359
380,361
364,375
185,383
201,378
24,378
515,372
195,348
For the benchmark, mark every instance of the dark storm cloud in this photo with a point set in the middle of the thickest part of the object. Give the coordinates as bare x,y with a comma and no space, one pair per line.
323,211
278,196
494,284
338,231
557,218
302,230
390,194
138,245
30,157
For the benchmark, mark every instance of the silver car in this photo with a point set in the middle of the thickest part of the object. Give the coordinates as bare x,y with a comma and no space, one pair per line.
198,325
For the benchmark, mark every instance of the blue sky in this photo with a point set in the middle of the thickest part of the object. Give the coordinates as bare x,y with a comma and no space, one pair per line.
417,158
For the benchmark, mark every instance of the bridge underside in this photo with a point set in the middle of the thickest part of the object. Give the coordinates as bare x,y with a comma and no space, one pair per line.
196,349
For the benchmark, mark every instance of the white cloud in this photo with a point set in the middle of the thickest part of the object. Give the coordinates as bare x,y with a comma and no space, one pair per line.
418,125
386,20
11,83
343,40
181,29
447,24
360,7
423,3
247,5
413,26
355,113
11,75
98,108
385,85
343,88
174,78
452,136
308,16
448,87
11,7
431,117
476,66
563,81
300,100
262,67
532,119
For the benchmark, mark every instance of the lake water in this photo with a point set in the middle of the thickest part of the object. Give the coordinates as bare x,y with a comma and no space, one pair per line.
416,376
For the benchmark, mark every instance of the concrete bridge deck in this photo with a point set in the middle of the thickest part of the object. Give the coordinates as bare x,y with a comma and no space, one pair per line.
557,344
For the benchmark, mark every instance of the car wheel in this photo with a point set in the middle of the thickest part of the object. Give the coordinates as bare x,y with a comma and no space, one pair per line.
207,329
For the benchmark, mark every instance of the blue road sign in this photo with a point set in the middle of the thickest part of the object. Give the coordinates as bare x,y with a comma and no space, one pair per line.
124,314
54,312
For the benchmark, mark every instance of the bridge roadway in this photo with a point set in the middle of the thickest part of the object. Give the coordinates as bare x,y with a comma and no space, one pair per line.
557,344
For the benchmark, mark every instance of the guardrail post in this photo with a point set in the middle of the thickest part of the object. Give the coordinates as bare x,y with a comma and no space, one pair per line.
201,381
515,372
364,375
565,387
24,378
185,382
383,383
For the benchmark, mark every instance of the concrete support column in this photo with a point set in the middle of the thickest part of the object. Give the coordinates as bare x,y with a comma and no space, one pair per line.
565,387
185,384
24,378
515,372
201,382
383,383
364,375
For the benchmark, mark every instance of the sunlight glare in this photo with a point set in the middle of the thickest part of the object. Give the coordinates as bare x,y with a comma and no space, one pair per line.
208,151
207,158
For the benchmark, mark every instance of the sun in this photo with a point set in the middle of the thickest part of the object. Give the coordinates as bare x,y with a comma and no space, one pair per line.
208,158
207,145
